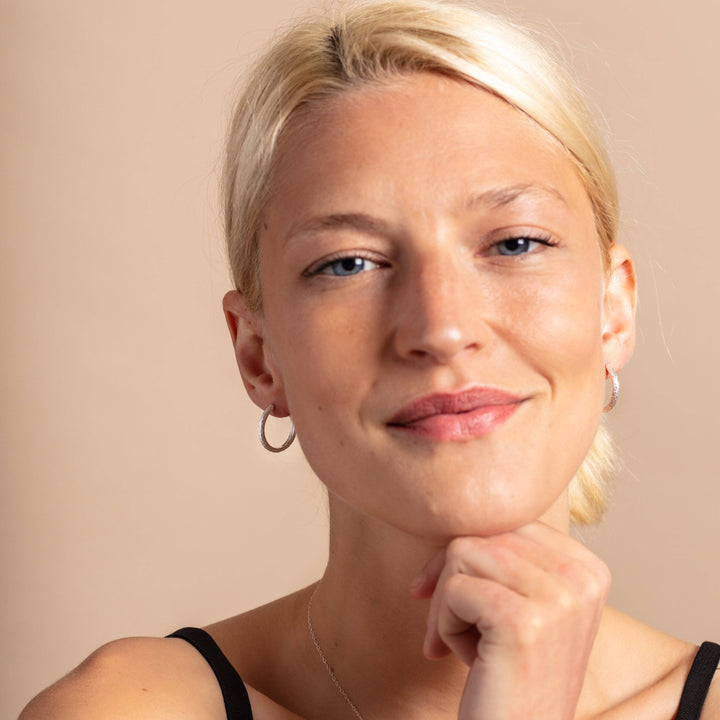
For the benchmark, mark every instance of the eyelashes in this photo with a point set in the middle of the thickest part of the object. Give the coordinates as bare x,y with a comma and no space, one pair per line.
344,264
521,244
353,262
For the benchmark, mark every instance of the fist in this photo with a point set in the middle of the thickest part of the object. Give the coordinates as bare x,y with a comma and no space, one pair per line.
521,609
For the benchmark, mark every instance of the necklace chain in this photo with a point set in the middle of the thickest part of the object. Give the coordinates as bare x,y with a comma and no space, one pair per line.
331,672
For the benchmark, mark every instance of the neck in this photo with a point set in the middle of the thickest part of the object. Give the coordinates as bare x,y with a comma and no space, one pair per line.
371,629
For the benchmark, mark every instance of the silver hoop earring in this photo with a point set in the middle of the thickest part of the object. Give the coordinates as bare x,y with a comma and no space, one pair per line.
261,432
609,372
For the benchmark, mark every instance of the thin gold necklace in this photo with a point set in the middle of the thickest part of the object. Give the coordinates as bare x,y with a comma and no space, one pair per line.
331,673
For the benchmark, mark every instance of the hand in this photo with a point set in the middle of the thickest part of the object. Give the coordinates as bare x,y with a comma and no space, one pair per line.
521,609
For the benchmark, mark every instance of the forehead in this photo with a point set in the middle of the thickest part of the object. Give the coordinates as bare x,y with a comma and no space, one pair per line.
421,139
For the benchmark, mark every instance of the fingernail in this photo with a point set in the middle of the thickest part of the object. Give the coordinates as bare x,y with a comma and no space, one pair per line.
426,647
417,582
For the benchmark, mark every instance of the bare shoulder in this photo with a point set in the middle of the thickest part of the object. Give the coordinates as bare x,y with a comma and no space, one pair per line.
159,679
643,671
148,678
711,709
269,650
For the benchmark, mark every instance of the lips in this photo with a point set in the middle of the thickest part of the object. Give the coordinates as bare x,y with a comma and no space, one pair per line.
456,416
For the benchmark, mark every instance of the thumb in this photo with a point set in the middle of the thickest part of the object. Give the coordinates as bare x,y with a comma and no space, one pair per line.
423,586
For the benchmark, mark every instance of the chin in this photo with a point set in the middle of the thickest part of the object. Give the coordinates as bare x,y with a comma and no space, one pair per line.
446,518
451,492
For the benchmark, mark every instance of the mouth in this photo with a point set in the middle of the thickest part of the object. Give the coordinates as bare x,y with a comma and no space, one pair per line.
463,415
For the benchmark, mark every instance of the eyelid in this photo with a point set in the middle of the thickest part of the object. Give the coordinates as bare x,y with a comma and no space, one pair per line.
534,235
315,268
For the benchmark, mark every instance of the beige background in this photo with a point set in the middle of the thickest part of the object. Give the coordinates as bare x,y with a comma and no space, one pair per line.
135,497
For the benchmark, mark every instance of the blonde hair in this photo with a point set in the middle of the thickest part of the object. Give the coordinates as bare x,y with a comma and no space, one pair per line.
321,57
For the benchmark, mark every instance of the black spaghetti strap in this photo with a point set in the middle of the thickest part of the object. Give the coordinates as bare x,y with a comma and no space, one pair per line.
237,703
698,681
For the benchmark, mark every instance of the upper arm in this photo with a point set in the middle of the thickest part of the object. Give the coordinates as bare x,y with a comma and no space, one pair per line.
133,679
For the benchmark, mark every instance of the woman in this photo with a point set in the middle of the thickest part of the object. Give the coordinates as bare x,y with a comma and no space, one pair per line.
421,224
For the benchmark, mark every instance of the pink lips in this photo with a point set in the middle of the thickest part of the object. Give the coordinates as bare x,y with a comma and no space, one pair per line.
464,415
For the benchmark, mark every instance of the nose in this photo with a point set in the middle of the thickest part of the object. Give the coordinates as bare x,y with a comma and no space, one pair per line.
437,313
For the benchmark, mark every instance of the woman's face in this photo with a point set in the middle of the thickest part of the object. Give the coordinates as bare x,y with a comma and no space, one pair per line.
434,310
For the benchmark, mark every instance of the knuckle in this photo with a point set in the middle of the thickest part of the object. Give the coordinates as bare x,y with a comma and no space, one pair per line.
603,576
532,628
460,547
566,571
567,600
455,585
596,582
590,581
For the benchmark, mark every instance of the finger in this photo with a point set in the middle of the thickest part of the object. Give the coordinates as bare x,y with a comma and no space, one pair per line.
552,539
424,583
511,561
489,559
476,559
552,551
506,546
471,608
567,560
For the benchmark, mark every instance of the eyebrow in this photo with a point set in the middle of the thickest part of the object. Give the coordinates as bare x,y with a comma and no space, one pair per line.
498,197
490,199
342,221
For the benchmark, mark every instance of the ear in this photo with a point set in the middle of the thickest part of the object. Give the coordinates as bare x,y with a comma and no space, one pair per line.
260,376
619,305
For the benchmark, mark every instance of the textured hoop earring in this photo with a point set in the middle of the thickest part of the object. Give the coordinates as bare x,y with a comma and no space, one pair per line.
609,372
261,432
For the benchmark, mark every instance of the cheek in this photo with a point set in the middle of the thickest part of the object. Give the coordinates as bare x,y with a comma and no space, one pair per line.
329,354
560,330
563,341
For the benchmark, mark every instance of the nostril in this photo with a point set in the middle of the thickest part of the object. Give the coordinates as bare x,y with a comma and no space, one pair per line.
442,344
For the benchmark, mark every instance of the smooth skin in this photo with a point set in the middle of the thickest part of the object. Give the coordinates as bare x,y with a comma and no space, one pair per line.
423,236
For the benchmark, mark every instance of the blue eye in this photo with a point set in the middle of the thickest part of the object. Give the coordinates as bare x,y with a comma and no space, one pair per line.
342,267
520,245
514,246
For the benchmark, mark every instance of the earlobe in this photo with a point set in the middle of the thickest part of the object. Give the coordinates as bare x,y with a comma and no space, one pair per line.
247,334
619,306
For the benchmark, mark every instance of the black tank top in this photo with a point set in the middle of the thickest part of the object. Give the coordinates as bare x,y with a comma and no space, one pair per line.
237,704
